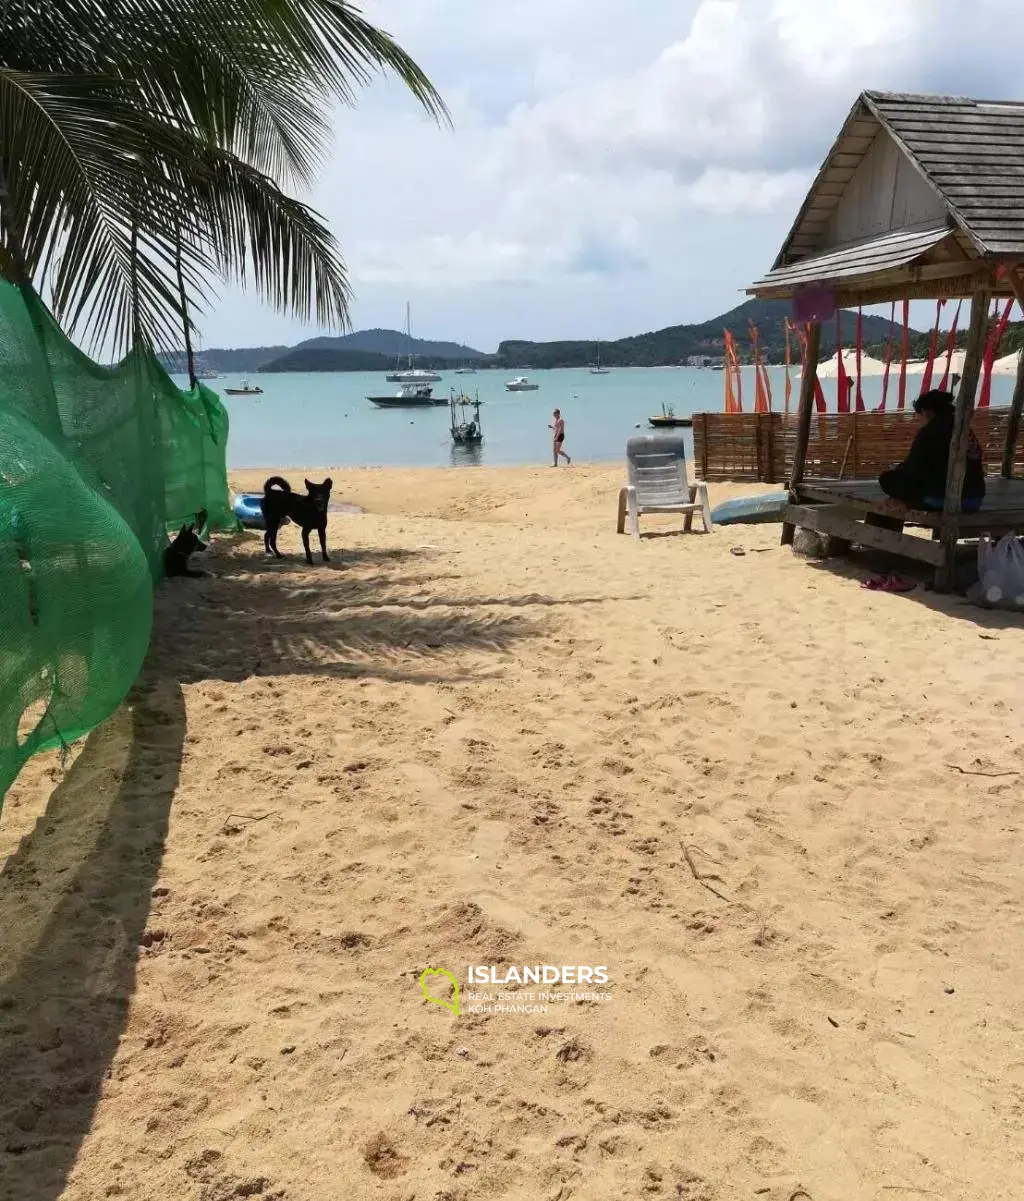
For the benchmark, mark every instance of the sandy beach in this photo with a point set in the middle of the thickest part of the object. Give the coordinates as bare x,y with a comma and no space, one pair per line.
783,812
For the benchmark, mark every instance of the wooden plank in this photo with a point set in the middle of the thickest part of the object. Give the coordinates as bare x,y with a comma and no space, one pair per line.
808,376
954,169
957,136
969,125
961,435
829,519
1017,404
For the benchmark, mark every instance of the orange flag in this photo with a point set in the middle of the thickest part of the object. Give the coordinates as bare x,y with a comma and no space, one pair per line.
789,360
760,395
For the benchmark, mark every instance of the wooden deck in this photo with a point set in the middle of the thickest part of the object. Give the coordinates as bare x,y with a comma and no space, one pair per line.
848,511
1003,508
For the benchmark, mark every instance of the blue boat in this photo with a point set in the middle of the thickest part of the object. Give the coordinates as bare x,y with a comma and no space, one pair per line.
750,510
246,507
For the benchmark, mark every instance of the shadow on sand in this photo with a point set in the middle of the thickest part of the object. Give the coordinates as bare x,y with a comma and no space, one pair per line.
76,895
74,901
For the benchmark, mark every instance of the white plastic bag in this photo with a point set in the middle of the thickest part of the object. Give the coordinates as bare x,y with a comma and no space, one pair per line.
1001,570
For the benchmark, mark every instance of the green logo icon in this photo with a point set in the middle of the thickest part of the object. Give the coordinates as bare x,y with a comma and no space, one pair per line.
430,975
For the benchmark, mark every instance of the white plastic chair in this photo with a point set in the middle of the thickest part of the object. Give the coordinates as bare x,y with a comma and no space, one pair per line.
658,483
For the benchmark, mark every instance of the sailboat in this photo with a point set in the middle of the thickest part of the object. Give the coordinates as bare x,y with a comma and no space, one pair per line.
599,370
410,375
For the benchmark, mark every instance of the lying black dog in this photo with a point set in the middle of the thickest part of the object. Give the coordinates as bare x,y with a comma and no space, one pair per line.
308,512
185,544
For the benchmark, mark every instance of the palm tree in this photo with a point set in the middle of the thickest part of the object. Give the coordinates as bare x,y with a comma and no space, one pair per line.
146,145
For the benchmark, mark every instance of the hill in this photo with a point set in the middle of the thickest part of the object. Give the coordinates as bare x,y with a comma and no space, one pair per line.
306,357
379,349
674,344
392,344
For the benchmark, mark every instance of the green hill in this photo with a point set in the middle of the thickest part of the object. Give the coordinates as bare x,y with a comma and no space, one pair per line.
676,343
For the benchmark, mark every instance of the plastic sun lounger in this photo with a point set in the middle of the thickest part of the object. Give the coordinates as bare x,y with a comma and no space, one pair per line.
658,483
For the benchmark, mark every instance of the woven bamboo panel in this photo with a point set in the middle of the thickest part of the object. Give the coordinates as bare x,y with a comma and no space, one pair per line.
759,446
738,446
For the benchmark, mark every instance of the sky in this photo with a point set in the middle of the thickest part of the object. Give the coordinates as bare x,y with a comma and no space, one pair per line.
612,168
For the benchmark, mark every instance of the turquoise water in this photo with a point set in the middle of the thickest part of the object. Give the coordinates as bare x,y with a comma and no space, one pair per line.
306,420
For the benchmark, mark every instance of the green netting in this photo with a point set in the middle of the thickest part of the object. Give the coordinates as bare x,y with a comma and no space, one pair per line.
96,465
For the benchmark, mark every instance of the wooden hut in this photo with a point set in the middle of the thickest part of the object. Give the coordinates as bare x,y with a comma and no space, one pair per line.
919,197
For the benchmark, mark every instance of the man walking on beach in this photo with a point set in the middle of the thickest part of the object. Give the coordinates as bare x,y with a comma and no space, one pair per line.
559,438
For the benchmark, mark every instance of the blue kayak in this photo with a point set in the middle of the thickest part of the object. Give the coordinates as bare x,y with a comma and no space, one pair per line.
246,507
750,510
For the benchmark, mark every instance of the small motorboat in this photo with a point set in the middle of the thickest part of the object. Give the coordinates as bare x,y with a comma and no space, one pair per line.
245,390
247,508
521,384
409,396
668,420
751,510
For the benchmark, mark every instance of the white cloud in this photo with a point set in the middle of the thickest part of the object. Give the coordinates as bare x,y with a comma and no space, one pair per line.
607,172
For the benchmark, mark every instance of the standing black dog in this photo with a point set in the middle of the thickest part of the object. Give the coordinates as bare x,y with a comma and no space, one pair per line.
308,512
185,544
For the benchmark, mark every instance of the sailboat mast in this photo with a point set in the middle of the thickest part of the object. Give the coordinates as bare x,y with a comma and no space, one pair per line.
408,333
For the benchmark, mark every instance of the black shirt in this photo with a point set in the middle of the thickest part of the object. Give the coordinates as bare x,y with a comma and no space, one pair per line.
928,460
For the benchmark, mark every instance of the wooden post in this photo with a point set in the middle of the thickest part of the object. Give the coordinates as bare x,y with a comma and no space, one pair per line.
1013,425
961,433
1017,405
803,418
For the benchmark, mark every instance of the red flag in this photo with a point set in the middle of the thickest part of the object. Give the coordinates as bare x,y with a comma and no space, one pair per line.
842,387
901,404
951,346
994,338
860,351
890,347
933,346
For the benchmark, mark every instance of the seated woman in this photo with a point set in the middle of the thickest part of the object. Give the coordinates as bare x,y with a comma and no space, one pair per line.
919,481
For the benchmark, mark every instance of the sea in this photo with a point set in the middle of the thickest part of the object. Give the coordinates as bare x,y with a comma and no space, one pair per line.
325,419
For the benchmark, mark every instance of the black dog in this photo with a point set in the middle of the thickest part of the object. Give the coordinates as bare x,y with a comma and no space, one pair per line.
185,544
308,512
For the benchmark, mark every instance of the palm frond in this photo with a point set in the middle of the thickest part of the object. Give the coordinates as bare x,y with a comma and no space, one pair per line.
146,139
73,157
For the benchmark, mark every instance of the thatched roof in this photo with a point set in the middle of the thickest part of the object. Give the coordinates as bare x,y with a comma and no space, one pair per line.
918,196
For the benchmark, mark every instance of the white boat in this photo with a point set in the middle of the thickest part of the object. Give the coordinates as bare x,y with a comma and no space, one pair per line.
521,384
599,370
410,374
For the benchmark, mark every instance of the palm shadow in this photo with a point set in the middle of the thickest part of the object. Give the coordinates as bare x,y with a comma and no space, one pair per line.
383,618
75,899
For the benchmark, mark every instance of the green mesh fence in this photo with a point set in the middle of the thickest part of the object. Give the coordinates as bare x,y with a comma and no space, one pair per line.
96,465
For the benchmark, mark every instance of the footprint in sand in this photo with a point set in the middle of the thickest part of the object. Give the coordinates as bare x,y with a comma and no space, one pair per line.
817,1155
485,870
913,1077
703,991
905,974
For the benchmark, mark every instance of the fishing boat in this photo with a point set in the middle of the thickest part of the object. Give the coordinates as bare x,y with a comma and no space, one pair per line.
465,415
668,420
520,384
245,390
411,374
206,375
599,370
409,396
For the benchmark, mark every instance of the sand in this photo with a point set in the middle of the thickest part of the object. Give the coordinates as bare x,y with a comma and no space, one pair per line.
783,812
